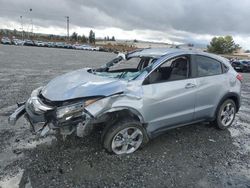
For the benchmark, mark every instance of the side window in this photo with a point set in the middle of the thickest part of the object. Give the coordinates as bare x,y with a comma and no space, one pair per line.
207,66
171,70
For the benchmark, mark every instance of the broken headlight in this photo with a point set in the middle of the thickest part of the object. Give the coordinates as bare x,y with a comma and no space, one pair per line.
70,110
73,110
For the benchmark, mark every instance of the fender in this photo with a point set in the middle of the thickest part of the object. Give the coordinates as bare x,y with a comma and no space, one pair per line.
110,104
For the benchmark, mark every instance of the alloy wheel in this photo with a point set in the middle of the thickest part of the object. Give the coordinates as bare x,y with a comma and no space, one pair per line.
227,114
127,140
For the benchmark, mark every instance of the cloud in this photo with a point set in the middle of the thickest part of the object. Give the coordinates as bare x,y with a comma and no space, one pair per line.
179,20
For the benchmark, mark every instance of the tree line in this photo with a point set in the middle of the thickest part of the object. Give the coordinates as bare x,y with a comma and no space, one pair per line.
90,39
75,37
78,38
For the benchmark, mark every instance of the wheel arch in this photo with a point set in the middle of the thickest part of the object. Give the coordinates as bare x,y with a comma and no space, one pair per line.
232,95
123,112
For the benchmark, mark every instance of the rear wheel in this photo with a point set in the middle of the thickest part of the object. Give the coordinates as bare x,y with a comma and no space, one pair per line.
124,137
226,114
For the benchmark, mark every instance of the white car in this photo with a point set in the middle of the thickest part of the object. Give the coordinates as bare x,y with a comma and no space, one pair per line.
40,43
5,40
18,42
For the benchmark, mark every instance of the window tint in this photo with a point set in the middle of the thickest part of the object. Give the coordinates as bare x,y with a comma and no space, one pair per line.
174,69
207,66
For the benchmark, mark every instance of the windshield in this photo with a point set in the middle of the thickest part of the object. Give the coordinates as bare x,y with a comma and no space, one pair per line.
127,69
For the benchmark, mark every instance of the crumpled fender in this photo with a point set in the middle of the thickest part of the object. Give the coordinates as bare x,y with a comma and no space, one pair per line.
117,103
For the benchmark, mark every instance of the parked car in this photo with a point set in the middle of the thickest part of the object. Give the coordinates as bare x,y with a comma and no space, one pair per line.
60,44
35,42
41,44
136,96
51,44
17,42
95,48
241,65
5,40
28,43
83,47
74,46
68,46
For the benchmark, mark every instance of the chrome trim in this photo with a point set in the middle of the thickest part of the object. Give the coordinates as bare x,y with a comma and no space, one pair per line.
38,105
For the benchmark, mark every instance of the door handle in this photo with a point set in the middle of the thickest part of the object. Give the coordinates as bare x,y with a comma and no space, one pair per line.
190,85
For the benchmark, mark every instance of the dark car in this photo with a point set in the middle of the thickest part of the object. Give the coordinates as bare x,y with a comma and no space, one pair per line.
68,46
29,43
242,65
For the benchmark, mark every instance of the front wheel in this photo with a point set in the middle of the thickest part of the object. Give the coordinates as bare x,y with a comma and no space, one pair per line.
226,114
124,137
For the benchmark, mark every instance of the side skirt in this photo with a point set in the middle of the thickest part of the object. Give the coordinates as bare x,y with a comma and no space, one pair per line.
165,129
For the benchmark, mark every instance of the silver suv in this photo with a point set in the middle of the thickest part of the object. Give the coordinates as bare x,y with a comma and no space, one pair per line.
136,97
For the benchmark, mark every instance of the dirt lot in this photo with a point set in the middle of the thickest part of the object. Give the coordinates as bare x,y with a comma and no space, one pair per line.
193,156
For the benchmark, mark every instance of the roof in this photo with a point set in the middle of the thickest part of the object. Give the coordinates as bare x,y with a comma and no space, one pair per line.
159,52
155,52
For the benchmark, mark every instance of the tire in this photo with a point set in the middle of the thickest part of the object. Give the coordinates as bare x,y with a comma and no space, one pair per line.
225,114
124,137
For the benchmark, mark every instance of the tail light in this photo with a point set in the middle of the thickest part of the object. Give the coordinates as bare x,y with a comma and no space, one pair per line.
239,77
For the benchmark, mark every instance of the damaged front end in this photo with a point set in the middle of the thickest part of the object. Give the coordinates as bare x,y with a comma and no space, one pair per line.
44,115
77,101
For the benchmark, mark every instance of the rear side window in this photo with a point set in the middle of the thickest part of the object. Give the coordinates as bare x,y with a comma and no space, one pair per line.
207,66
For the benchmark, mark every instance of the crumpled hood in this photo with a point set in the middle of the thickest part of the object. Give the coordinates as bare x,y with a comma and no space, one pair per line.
81,83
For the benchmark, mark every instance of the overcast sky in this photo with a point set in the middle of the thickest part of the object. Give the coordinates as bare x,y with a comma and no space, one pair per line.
173,21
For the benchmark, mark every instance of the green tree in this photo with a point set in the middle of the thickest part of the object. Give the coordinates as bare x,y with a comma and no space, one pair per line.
74,36
91,37
14,32
223,45
113,38
83,39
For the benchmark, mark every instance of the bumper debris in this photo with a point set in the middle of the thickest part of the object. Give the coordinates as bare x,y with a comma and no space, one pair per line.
16,115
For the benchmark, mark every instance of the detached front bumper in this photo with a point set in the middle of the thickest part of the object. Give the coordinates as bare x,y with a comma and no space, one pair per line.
81,122
36,121
19,112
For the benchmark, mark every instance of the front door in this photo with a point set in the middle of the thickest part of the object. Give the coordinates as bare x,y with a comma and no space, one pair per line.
169,95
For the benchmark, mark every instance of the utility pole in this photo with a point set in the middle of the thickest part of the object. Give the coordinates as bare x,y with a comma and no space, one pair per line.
67,17
21,17
31,23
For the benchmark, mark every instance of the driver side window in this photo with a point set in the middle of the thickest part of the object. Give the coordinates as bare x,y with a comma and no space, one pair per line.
171,70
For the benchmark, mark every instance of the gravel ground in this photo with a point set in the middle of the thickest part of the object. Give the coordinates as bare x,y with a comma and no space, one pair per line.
193,156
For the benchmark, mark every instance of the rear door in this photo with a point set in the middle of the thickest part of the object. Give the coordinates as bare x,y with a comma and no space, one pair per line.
211,86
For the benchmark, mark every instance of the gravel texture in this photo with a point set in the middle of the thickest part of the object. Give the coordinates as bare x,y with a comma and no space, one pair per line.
193,156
